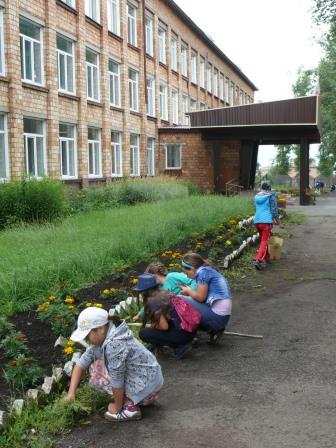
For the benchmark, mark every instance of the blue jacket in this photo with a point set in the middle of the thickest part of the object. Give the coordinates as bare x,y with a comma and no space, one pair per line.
266,208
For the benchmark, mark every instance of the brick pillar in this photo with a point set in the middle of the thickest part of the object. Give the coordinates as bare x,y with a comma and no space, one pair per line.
13,70
82,133
51,76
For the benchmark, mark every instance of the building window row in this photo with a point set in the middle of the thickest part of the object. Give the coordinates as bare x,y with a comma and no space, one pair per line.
35,151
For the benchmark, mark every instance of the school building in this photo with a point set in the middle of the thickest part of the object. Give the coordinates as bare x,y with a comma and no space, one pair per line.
93,90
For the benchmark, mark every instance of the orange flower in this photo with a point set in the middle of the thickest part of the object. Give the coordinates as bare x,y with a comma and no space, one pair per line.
21,338
12,363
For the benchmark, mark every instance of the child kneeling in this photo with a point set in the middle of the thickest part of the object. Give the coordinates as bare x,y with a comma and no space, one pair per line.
134,373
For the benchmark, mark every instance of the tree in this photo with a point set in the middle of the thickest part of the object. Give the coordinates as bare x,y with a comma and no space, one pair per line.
281,162
324,11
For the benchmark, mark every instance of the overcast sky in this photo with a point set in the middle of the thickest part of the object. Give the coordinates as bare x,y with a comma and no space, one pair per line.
268,39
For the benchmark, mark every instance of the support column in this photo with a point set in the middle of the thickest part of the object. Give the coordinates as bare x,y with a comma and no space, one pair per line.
304,171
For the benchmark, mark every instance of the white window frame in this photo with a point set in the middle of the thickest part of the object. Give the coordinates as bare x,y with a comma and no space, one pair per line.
221,86
26,39
193,104
4,132
30,136
163,101
185,110
202,106
174,54
132,37
114,84
227,90
92,68
241,97
209,77
149,26
2,44
232,93
113,16
202,72
133,88
92,9
175,105
215,82
169,146
67,141
116,155
184,59
150,156
193,66
162,45
150,86
71,3
67,57
92,147
135,156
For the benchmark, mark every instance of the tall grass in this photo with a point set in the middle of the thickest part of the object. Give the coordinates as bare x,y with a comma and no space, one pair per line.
83,247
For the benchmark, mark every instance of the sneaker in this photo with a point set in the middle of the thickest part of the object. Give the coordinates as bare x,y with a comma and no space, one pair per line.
181,351
257,265
124,415
215,337
268,261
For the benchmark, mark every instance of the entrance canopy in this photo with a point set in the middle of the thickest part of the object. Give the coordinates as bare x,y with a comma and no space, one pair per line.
293,121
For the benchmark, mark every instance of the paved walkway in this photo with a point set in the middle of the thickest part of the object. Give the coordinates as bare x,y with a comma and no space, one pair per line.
278,392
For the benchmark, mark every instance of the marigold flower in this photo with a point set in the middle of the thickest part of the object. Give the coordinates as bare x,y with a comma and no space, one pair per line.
98,305
12,363
68,350
43,307
70,307
88,304
69,300
21,338
228,243
106,291
51,298
134,281
70,343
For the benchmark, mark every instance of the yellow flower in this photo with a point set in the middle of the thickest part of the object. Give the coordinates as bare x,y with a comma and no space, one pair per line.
228,243
51,298
70,307
69,300
88,304
68,350
113,290
134,281
43,307
106,291
98,305
70,343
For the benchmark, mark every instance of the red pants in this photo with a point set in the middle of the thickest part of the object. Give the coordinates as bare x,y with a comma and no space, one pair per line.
265,231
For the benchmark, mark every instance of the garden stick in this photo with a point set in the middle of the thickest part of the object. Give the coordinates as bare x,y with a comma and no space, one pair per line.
254,336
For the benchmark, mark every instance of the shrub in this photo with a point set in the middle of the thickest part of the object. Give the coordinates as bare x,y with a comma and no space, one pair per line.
31,200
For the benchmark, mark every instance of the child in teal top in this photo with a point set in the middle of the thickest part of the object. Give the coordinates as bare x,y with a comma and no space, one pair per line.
170,281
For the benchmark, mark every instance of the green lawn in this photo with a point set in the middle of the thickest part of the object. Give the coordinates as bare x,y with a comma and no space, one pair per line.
83,247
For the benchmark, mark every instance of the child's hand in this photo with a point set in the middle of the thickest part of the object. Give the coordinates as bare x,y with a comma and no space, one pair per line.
185,290
136,318
69,397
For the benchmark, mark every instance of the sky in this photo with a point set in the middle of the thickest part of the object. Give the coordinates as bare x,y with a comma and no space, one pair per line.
268,40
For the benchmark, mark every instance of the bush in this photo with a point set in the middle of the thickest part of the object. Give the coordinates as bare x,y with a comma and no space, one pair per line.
31,200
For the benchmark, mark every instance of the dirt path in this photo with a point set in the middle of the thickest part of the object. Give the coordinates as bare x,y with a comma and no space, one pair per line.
274,393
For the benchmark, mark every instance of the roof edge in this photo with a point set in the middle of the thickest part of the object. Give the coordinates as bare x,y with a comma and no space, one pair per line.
209,42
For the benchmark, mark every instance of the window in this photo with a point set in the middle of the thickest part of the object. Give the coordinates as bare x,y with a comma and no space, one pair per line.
185,109
71,3
133,90
163,102
184,59
116,154
237,95
31,52
175,106
202,72
3,148
241,97
162,46
193,105
114,76
113,16
92,9
134,155
221,86
215,82
150,96
149,35
34,147
131,25
202,106
231,94
68,150
94,152
150,157
173,157
193,67
92,73
209,77
173,53
66,64
2,47
226,90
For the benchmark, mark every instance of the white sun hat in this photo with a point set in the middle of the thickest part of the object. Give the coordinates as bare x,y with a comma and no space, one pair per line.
89,319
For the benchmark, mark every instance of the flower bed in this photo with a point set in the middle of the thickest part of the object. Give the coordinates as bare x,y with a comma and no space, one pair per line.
221,244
